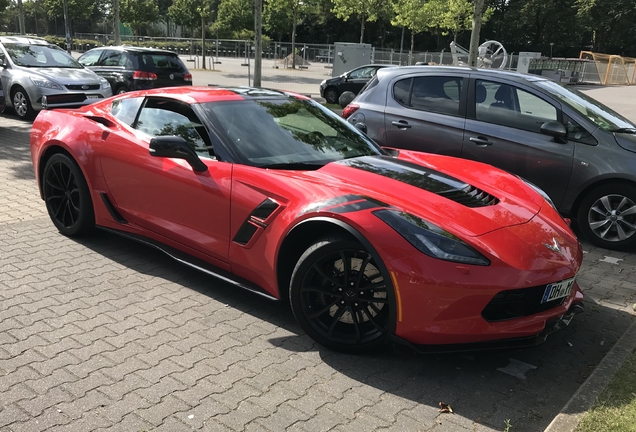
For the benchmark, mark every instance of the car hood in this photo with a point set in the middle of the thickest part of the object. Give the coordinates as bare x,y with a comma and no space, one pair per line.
66,75
626,141
466,198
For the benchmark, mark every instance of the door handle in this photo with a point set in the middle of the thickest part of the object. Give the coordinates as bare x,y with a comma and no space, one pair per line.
401,124
480,142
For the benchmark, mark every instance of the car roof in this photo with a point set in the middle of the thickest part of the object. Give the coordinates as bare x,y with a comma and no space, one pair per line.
130,48
404,70
196,95
24,39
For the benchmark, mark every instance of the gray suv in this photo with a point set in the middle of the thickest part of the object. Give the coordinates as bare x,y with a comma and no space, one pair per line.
580,152
36,75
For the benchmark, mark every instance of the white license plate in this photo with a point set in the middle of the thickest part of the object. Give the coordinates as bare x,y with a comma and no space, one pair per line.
92,97
557,290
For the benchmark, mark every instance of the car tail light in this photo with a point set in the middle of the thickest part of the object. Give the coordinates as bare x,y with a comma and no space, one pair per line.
139,75
349,109
187,77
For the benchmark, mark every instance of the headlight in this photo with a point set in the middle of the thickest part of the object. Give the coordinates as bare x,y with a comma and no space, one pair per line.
540,191
431,239
105,83
41,82
323,82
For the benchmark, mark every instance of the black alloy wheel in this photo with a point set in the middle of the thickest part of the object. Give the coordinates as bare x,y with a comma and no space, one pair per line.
339,296
607,216
332,95
68,200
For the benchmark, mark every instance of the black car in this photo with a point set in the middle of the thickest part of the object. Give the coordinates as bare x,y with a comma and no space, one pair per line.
580,152
352,81
133,68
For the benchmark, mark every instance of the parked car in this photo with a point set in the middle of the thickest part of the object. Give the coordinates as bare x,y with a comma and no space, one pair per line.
2,105
579,151
278,195
37,75
352,81
132,68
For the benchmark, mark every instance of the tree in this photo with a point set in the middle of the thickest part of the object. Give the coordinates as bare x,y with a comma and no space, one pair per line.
235,17
139,13
457,16
365,10
416,15
287,13
474,35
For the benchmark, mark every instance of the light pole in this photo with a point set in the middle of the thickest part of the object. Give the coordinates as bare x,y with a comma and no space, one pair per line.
551,45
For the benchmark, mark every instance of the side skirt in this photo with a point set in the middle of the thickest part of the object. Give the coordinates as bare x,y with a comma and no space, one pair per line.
195,263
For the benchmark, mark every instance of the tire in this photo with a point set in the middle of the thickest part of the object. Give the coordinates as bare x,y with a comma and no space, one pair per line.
68,200
607,216
22,104
332,95
340,298
120,90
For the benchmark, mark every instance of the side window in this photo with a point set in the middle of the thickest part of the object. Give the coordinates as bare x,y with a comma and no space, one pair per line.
510,106
436,94
126,110
111,58
367,72
90,58
402,91
578,133
160,117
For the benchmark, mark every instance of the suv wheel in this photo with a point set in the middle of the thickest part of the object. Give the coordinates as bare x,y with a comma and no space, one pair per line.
332,95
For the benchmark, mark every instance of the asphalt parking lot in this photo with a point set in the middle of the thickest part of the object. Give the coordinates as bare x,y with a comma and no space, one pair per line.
102,333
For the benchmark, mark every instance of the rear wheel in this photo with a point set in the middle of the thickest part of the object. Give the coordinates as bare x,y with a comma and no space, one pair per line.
120,89
607,216
332,95
22,104
68,200
339,296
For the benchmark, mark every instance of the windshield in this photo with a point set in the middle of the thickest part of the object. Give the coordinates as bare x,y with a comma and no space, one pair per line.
41,56
593,110
287,133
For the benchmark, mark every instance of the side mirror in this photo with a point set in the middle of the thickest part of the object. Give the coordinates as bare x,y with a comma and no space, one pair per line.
178,148
556,130
361,127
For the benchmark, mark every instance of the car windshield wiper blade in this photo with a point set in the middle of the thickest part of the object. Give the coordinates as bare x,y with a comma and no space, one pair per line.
624,130
295,165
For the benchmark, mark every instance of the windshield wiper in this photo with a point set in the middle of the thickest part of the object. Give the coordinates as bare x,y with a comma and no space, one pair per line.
624,130
295,166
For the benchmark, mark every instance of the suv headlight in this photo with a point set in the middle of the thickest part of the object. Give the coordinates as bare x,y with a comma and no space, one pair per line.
41,82
431,239
105,83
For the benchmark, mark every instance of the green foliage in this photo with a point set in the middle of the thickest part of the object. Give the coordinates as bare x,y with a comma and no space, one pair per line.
138,13
77,9
457,16
416,15
365,10
235,16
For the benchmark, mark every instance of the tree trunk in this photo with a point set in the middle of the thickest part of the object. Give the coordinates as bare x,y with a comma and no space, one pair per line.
66,27
362,22
412,47
21,17
474,36
258,42
116,22
295,18
202,40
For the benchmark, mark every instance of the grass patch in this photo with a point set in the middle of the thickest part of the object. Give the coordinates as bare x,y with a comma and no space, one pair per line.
615,410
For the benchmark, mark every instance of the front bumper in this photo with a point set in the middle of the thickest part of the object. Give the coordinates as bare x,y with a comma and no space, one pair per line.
520,342
55,99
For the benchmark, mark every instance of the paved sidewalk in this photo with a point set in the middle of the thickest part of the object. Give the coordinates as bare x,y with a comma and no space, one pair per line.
106,334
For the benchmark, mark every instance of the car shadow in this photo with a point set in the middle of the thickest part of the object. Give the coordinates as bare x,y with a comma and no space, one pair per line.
14,146
526,387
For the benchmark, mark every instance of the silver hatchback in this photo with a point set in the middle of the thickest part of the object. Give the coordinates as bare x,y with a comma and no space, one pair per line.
36,75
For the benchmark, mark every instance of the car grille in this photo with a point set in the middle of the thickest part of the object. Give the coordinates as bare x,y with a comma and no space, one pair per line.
518,303
470,196
83,86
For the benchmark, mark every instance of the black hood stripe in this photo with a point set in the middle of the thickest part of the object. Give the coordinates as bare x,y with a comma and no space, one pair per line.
344,204
423,178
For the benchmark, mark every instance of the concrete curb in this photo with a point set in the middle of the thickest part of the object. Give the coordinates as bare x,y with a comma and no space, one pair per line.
572,413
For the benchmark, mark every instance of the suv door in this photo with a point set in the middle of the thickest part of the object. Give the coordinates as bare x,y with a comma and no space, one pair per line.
357,79
503,129
111,66
426,113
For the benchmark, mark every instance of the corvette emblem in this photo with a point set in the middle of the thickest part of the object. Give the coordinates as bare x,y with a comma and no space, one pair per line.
554,246
172,76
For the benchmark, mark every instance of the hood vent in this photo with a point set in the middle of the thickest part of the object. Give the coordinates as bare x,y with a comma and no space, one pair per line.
423,178
470,196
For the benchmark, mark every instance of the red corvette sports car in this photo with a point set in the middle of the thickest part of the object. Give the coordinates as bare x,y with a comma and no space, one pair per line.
276,194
